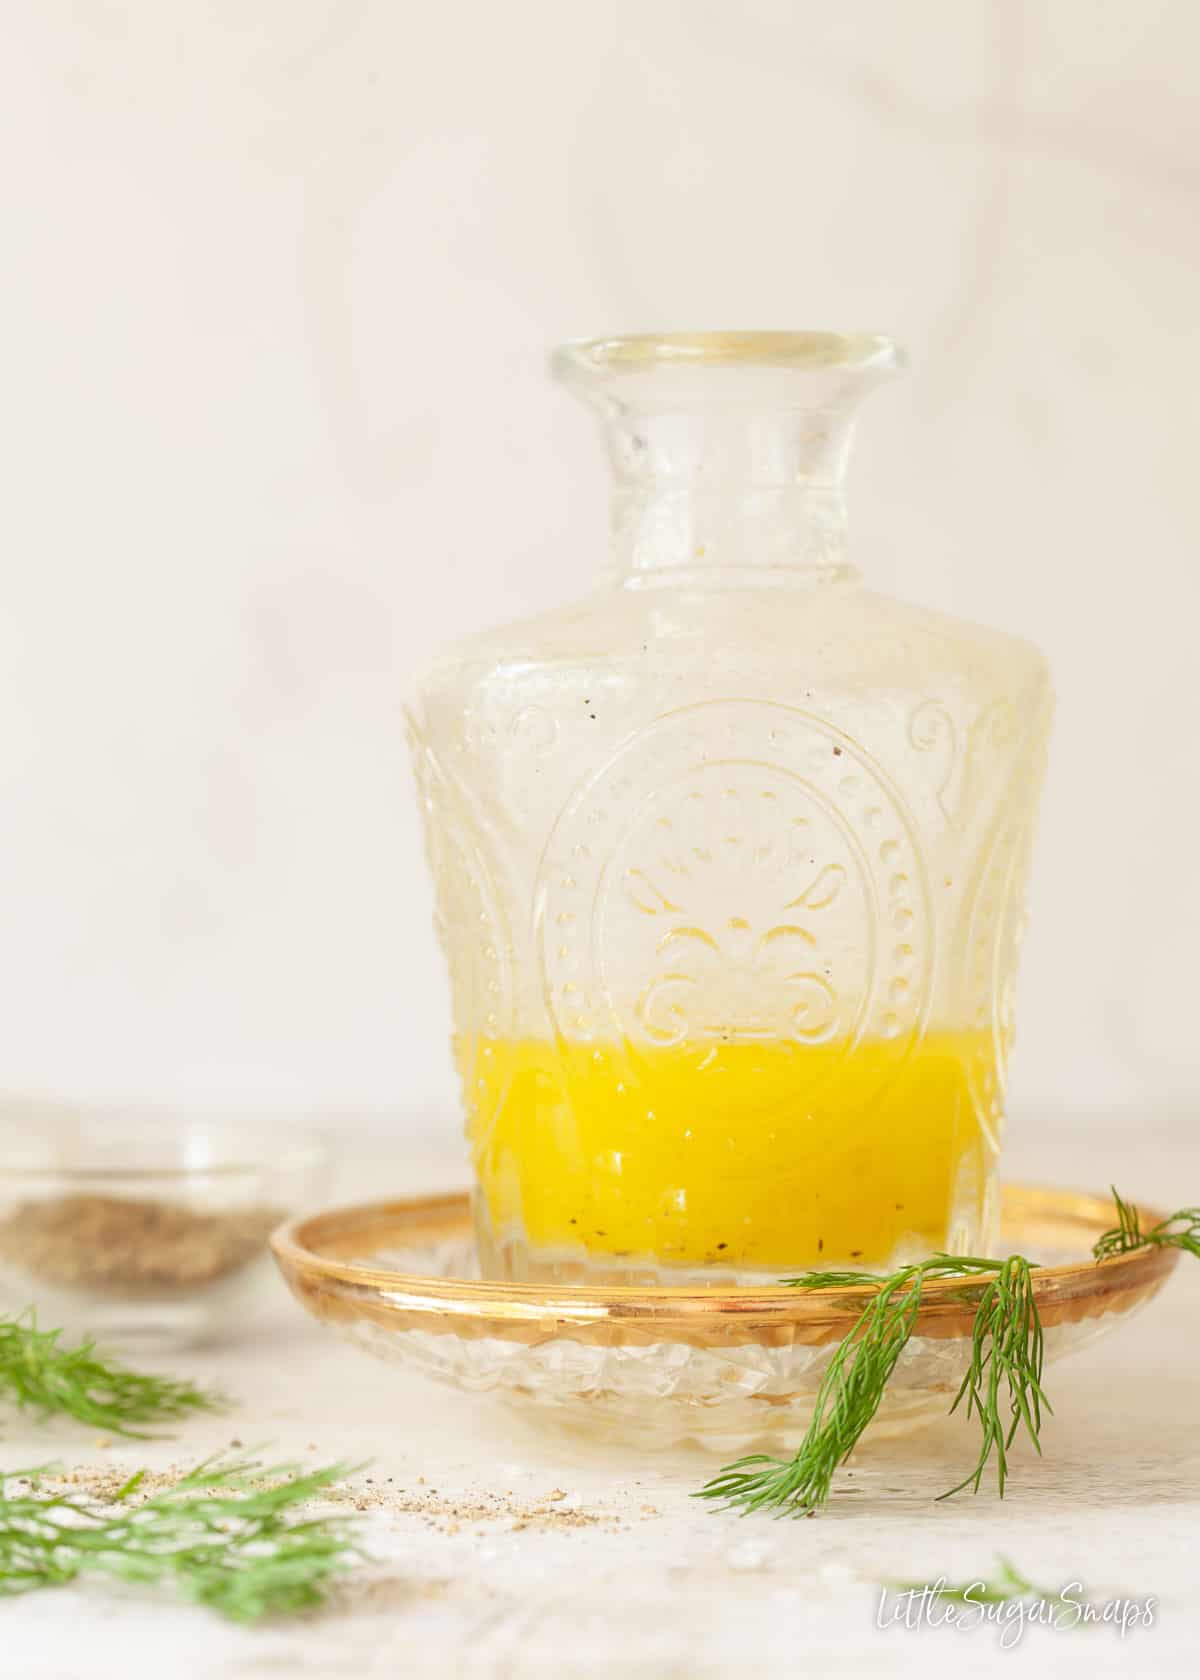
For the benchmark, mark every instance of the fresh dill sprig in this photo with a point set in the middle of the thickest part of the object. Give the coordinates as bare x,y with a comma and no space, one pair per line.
1005,1370
1003,1587
1006,1353
1181,1230
226,1535
37,1370
1002,1386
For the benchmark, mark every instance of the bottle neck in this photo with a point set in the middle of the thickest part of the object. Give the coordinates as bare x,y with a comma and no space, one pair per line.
728,450
664,532
752,493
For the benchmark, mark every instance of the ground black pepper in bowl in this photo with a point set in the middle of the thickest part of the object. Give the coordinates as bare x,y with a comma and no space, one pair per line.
86,1240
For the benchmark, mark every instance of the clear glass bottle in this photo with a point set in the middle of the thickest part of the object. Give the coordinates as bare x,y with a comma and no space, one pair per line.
730,857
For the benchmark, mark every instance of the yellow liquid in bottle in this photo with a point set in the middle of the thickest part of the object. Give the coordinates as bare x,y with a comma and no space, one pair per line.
745,1154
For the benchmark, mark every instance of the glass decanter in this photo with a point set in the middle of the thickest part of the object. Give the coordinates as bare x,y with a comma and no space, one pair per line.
730,857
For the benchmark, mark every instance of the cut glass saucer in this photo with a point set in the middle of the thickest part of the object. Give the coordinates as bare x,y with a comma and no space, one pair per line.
724,1366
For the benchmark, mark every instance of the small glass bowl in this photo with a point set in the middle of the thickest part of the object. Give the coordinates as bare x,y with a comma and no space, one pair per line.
143,1232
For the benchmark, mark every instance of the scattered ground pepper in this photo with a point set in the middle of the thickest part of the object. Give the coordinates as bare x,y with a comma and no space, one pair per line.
449,1514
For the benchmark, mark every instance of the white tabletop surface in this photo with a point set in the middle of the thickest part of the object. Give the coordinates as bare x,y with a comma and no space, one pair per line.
647,1581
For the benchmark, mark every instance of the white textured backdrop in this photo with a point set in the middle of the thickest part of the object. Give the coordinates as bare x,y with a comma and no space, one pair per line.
277,283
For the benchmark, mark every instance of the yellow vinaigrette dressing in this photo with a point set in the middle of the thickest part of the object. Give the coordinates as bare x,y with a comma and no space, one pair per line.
743,1155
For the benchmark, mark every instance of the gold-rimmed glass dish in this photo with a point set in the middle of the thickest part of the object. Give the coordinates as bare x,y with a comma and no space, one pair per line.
722,1365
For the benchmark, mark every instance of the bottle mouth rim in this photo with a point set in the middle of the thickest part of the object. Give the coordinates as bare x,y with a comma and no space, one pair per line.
589,358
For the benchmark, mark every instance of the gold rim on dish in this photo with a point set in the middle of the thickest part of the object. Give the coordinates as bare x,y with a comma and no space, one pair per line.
316,1256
